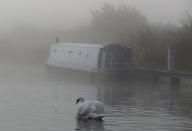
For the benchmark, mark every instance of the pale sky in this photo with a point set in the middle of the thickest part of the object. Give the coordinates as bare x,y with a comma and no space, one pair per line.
64,14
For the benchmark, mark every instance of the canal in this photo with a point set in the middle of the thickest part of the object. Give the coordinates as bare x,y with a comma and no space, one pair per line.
31,99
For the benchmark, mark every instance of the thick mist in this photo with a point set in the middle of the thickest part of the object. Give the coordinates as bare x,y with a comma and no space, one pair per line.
28,28
64,14
38,97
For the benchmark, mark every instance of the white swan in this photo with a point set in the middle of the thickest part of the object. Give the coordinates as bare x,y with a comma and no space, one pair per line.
89,109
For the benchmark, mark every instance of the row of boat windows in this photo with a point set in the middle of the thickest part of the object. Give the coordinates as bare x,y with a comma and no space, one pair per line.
69,52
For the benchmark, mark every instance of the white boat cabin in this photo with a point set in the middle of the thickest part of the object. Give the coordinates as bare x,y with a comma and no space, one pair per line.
87,57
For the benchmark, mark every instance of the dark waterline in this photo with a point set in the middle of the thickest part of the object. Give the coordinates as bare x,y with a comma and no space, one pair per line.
32,99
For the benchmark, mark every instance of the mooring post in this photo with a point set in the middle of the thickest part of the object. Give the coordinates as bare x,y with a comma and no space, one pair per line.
171,63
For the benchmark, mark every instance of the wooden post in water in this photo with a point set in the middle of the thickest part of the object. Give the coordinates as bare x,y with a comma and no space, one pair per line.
175,81
171,63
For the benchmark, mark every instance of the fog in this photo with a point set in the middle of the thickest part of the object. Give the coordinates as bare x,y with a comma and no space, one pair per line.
62,14
29,27
35,96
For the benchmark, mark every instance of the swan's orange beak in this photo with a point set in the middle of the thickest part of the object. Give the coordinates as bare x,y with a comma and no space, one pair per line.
76,103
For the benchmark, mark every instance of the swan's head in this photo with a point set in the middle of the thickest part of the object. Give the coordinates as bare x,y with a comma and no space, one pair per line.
79,100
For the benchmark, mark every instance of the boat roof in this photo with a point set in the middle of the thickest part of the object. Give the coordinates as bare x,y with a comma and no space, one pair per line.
86,45
80,45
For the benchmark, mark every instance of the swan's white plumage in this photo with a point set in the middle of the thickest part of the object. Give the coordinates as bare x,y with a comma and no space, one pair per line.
90,109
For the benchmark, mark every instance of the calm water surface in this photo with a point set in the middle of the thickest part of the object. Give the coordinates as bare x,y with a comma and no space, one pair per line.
31,100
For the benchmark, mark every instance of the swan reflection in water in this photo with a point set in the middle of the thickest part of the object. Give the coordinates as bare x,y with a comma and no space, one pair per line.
89,125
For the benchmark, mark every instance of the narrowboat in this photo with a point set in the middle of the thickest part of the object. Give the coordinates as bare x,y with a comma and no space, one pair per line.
105,58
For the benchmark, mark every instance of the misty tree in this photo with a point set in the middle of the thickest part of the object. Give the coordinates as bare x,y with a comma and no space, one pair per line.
183,44
128,26
151,46
117,24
